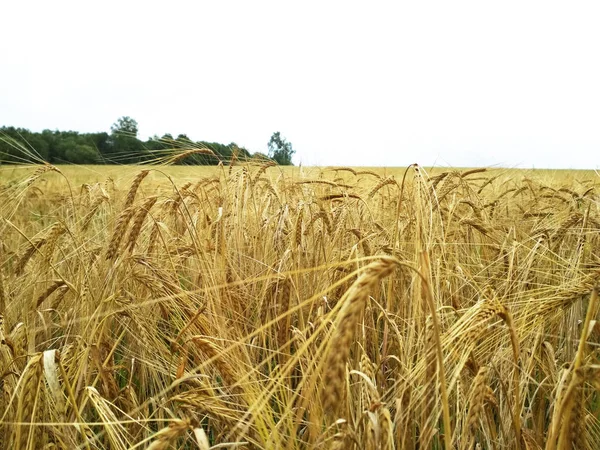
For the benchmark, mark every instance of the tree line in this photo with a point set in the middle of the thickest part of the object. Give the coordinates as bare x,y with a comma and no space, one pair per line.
122,146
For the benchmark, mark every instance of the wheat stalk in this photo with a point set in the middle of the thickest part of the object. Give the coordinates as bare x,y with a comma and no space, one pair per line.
335,366
119,232
27,403
476,403
34,245
138,220
381,184
165,437
134,188
48,292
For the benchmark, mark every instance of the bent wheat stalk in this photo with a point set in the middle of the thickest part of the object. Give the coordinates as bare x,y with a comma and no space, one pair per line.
335,367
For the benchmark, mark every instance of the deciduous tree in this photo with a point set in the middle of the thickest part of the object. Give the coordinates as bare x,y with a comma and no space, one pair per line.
280,149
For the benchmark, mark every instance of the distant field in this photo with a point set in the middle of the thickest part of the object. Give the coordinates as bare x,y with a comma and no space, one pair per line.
259,307
123,174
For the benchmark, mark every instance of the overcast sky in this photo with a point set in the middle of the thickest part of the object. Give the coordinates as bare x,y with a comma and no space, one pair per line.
511,83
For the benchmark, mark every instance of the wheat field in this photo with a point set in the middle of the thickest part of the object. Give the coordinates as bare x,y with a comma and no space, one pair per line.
253,307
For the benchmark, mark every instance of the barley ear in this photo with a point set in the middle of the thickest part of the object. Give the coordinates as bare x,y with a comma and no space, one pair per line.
138,220
343,337
118,233
134,187
27,403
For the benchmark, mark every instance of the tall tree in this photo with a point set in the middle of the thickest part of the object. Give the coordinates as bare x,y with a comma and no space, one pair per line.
281,150
127,148
125,125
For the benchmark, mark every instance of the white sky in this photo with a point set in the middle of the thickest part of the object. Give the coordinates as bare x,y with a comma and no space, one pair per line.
511,83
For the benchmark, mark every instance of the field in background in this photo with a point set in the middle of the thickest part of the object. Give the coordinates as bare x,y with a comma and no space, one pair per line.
260,307
90,174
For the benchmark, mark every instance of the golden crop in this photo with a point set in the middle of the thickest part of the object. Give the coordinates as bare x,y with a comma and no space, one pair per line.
254,307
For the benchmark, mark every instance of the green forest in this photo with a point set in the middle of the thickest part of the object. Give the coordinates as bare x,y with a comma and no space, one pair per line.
122,146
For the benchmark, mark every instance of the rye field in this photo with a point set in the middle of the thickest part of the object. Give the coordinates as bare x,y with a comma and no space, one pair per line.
257,307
